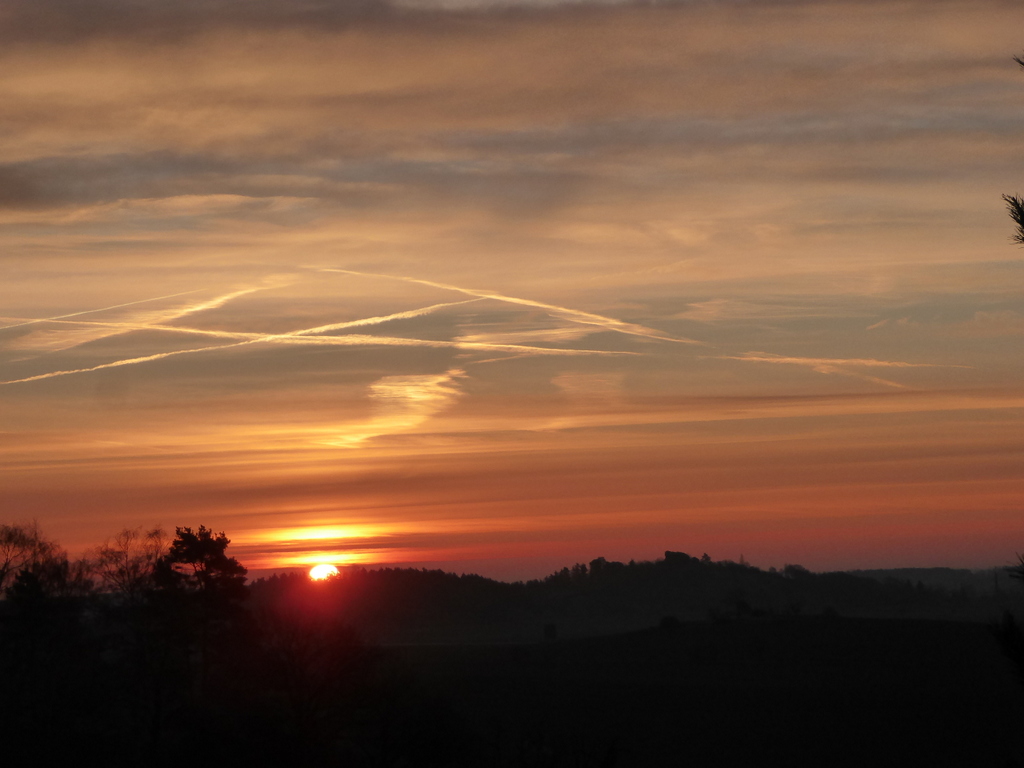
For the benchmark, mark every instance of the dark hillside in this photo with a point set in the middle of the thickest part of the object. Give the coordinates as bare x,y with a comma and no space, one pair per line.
794,692
719,664
410,606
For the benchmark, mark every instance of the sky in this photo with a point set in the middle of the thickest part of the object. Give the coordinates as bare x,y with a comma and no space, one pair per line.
497,288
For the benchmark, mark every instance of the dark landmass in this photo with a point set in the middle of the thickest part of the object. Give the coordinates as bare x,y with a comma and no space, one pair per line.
395,606
787,692
677,661
994,581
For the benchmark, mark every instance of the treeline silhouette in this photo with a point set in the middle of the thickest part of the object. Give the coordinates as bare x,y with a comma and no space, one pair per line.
409,606
154,650
154,654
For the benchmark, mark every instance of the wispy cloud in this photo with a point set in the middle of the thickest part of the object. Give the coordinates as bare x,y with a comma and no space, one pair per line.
688,410
403,403
718,310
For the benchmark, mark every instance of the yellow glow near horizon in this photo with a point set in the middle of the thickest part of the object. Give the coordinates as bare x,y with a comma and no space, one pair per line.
307,546
318,556
319,532
315,533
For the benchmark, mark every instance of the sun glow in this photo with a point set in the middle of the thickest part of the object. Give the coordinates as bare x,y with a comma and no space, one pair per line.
322,532
322,571
311,545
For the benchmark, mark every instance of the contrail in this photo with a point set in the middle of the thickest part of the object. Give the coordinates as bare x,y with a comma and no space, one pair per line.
767,357
219,301
118,363
874,379
126,327
245,335
91,311
834,365
163,316
348,340
382,318
575,315
354,339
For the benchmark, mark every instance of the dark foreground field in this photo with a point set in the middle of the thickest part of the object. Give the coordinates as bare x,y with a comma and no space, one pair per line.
418,669
792,692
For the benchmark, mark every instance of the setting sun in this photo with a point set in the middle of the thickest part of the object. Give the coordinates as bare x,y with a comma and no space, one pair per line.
323,571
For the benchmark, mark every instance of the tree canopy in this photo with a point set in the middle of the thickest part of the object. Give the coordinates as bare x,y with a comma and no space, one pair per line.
127,564
1015,204
197,562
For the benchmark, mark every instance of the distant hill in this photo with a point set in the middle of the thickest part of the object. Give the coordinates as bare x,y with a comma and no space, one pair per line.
987,581
602,597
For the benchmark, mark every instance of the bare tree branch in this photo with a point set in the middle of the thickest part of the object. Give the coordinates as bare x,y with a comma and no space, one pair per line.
21,546
127,564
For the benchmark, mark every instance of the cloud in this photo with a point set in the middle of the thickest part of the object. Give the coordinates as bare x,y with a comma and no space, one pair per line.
992,324
403,403
726,310
695,410
591,387
656,133
68,21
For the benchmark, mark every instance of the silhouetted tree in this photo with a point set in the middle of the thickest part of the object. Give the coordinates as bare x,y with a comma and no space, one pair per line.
127,565
1017,571
1015,204
52,576
196,607
1007,632
197,562
21,546
35,569
795,571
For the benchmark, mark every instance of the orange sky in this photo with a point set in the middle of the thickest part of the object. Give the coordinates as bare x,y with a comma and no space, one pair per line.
499,291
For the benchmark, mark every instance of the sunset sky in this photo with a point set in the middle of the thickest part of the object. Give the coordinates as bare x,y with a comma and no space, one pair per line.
501,287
